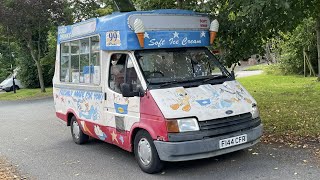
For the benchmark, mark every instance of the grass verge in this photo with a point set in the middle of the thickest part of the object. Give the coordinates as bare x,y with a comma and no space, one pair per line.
25,94
256,67
289,105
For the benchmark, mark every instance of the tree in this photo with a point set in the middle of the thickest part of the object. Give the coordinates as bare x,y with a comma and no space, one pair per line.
152,4
4,56
318,44
28,22
7,53
83,9
293,44
246,25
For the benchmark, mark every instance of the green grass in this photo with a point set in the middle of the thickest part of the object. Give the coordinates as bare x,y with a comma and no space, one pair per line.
257,67
24,94
289,105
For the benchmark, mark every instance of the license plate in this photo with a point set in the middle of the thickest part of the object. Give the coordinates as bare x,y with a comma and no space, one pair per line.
233,141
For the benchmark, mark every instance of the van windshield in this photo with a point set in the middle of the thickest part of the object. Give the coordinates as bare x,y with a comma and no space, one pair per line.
176,66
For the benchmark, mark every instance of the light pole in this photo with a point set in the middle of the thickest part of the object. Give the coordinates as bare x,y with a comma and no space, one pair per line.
13,77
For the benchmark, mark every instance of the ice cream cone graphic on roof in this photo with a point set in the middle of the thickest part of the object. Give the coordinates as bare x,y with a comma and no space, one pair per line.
139,30
214,28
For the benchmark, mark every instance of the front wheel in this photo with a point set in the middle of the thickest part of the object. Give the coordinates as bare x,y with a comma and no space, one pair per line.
146,154
77,134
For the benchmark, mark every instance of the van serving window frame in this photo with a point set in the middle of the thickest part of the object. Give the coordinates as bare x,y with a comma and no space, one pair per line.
69,59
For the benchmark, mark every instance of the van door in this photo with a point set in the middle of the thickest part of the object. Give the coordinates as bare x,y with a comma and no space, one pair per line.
121,112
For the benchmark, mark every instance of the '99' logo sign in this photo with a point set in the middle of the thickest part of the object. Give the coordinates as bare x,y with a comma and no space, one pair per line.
113,38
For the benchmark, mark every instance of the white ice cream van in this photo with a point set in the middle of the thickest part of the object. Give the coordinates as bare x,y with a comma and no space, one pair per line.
145,81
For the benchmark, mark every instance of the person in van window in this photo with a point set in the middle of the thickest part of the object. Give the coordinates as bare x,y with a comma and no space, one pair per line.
132,77
117,72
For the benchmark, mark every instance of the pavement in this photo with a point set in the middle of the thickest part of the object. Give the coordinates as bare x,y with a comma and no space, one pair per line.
241,74
40,145
240,71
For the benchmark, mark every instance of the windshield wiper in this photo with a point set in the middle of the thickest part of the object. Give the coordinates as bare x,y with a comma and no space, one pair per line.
180,81
170,83
214,77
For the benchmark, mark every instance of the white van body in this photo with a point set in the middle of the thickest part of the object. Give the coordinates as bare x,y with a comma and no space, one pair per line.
7,84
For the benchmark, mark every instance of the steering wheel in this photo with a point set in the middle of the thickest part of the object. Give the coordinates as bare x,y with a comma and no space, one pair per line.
155,72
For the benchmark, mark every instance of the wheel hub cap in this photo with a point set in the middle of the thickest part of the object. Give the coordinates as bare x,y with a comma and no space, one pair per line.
144,151
76,129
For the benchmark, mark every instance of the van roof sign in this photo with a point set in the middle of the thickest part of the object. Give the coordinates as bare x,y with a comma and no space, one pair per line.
79,29
162,29
170,22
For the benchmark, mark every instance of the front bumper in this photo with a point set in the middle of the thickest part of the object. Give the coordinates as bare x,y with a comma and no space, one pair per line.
205,148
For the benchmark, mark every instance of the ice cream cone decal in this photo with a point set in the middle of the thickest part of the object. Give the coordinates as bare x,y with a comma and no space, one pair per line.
139,30
141,39
214,28
212,36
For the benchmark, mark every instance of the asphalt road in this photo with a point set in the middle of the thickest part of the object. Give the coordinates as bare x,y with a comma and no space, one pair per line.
248,73
41,146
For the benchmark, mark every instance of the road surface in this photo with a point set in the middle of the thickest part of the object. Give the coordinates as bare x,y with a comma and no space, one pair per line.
241,74
41,146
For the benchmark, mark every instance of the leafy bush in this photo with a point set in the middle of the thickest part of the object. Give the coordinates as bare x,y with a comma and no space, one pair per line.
48,61
28,74
303,37
274,69
4,73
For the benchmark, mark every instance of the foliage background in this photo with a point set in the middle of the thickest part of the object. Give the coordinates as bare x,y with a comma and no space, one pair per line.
245,28
292,45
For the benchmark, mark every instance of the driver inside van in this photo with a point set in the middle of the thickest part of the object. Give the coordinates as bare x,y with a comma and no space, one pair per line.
117,71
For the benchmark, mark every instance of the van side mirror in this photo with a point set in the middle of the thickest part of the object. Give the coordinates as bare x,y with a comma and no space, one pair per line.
127,91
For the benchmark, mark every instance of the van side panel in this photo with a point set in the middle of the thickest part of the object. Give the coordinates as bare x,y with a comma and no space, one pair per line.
104,133
152,119
62,116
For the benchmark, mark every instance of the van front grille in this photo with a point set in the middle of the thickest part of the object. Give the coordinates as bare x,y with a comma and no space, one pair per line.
218,127
228,124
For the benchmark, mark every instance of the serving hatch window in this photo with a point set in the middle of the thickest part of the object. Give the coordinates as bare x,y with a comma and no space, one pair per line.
80,61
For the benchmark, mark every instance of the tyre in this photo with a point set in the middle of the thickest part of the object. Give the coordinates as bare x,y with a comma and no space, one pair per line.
16,87
146,154
77,134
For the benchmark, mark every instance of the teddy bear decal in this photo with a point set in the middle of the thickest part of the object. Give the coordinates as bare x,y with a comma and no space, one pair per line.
183,100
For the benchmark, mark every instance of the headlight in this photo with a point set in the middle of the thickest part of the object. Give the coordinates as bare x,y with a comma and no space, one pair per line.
255,111
182,125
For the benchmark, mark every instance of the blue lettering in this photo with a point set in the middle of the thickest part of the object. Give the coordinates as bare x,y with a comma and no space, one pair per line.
79,94
89,95
98,96
64,92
